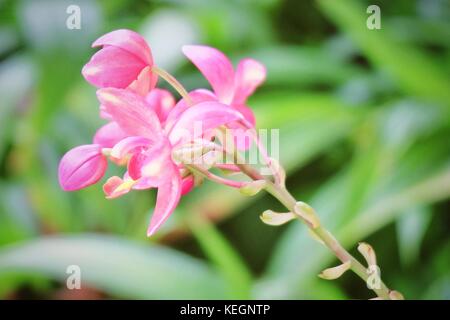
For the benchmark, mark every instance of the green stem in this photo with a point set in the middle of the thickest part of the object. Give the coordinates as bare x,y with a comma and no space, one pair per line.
283,195
211,176
174,83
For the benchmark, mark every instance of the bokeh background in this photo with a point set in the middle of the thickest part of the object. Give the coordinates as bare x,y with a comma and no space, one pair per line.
364,119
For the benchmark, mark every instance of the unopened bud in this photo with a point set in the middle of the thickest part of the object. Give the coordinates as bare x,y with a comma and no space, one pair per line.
275,218
307,213
253,187
335,272
395,295
278,170
368,253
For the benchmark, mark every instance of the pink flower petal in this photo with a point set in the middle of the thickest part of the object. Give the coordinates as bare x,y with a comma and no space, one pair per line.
81,166
169,194
151,163
161,101
199,119
187,184
129,145
116,187
129,41
250,74
216,68
197,96
144,183
247,113
112,67
108,135
135,164
145,82
131,112
104,114
242,137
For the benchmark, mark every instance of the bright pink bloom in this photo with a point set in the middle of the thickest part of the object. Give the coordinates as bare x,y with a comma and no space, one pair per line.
139,136
148,144
230,87
81,167
147,127
124,61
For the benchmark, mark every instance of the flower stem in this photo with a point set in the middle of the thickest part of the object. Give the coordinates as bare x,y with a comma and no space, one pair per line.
211,176
174,83
283,195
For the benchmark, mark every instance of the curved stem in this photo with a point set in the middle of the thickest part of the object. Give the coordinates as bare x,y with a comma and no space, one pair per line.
265,155
283,195
174,83
211,176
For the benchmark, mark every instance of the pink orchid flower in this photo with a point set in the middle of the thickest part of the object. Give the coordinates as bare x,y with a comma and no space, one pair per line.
140,137
124,61
230,87
160,100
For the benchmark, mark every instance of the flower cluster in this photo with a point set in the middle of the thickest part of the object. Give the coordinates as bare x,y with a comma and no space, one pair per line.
146,125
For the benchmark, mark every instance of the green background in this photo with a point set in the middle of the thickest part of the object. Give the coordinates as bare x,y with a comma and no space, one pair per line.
364,119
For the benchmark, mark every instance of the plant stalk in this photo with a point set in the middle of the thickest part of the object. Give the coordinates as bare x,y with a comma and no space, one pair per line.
283,195
174,83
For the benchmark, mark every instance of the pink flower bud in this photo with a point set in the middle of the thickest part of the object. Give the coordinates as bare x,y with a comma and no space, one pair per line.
81,167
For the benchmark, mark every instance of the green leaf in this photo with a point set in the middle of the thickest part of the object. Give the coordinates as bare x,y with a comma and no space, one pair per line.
385,210
305,65
224,256
17,75
415,72
411,228
117,266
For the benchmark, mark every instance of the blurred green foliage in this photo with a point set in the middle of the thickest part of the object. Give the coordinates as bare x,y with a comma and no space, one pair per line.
364,128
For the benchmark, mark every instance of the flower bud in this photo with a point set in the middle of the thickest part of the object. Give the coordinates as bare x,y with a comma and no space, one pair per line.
116,187
81,167
395,295
253,187
335,272
276,219
368,253
305,211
